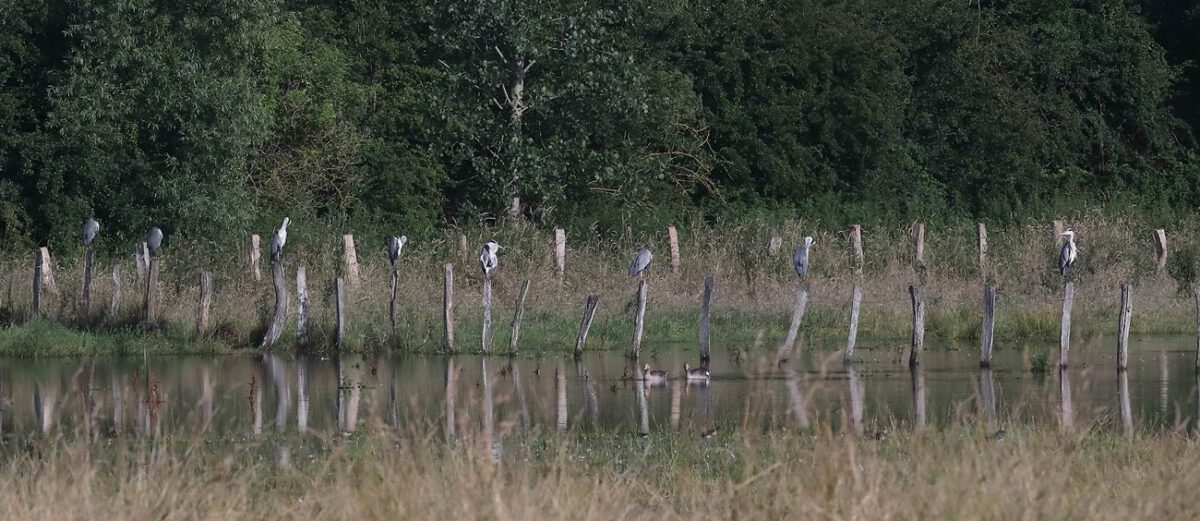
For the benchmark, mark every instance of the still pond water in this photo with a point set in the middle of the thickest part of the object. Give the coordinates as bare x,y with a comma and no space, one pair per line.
274,395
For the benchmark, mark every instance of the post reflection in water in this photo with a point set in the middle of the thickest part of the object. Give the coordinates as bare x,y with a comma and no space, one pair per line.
522,404
1066,408
590,400
490,444
560,394
640,391
799,407
987,395
450,378
1123,398
302,403
918,392
676,402
856,399
350,384
283,392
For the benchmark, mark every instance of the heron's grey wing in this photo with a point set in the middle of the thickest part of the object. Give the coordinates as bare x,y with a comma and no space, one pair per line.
1064,256
798,259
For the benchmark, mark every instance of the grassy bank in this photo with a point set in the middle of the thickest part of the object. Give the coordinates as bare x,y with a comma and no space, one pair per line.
961,473
754,295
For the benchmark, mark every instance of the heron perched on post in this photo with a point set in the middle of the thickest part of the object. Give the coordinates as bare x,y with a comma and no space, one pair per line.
800,257
487,258
395,244
90,229
154,241
641,261
1066,256
279,240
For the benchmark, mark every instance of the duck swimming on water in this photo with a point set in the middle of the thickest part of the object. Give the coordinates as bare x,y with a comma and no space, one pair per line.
698,374
653,377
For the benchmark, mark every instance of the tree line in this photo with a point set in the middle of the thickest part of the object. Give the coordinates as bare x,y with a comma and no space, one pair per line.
206,117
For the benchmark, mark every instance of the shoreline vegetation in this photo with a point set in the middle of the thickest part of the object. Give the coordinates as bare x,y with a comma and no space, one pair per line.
751,307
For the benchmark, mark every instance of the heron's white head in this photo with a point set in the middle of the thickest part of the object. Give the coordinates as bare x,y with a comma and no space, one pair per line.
493,246
403,239
808,241
1069,234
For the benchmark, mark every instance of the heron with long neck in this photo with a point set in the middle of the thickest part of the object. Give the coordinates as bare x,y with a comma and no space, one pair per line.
641,261
154,241
395,245
487,258
279,240
90,229
800,258
1066,256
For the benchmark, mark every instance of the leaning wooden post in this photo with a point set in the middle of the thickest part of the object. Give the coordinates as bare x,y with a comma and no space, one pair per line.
151,306
448,305
560,253
89,262
673,236
705,324
486,339
351,258
989,326
255,253
918,332
639,318
204,302
116,291
983,261
589,312
339,288
1160,248
1123,327
517,316
785,349
302,310
37,283
275,329
1064,334
856,295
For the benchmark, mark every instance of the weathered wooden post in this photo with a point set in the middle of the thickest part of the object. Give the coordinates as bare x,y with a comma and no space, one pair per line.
448,305
1196,293
856,295
116,291
673,236
918,390
517,316
279,317
918,235
351,258
339,288
1123,398
1058,229
589,312
255,254
486,340
393,290
302,310
785,349
774,246
204,302
560,253
705,306
639,317
918,332
1066,409
151,306
1160,248
463,250
989,326
37,283
141,258
514,208
1064,334
90,229
983,261
1123,327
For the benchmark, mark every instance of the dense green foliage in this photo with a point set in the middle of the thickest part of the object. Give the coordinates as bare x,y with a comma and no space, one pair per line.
205,117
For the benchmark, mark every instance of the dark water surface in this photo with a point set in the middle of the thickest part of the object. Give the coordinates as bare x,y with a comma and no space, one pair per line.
272,395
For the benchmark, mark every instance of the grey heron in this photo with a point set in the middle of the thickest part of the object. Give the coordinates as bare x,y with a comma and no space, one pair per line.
800,257
1066,256
154,241
90,229
487,258
395,244
641,261
279,240
697,374
653,377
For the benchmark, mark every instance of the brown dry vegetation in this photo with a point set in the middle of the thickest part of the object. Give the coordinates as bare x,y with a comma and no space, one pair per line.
753,296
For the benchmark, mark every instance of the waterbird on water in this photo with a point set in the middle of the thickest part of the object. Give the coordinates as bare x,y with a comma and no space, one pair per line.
395,244
154,241
698,374
487,258
90,229
279,239
1066,256
653,377
641,261
800,258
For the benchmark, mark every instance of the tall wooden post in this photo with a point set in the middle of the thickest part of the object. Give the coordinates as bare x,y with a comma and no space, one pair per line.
302,306
1058,229
589,312
560,253
639,318
856,295
37,283
116,291
255,255
1160,248
1066,408
393,289
918,332
918,234
448,305
339,288
151,307
1123,327
141,257
204,302
1123,400
486,340
918,391
517,316
1064,334
673,236
798,309
989,325
983,260
48,271
774,246
279,317
351,258
88,264
705,307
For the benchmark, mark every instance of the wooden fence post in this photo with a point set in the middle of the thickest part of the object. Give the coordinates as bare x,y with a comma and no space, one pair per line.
89,262
339,287
302,309
918,235
204,302
37,283
989,326
486,340
856,293
1160,247
1123,327
116,291
151,306
918,333
589,312
639,318
705,323
48,271
255,254
1196,293
1064,335
560,253
448,305
514,208
983,260
351,258
1058,229
774,246
141,257
1124,406
517,316
279,317
463,249
673,236
785,349
393,290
